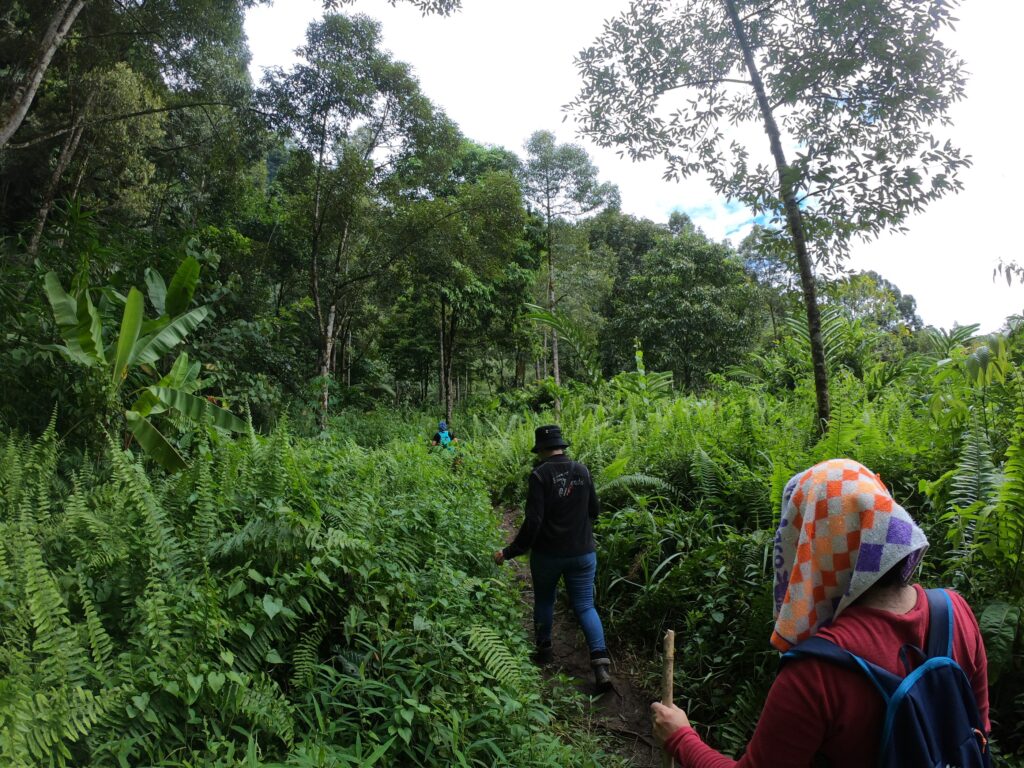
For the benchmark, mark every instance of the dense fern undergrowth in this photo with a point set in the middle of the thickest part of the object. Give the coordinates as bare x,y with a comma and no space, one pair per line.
691,488
330,600
284,601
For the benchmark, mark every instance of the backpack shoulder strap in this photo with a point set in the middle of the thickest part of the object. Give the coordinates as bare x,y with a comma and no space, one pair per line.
940,623
826,650
819,648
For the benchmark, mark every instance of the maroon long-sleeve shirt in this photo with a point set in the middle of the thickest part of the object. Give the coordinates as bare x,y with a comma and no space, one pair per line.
815,707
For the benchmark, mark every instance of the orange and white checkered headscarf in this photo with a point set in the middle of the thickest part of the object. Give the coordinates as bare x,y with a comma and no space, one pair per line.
840,531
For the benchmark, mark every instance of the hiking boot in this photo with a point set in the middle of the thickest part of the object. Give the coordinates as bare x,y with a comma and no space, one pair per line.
602,666
542,654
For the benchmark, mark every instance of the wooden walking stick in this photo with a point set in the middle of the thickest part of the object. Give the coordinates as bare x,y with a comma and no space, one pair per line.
667,760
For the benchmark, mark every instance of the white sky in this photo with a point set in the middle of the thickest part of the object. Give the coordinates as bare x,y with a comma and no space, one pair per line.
502,69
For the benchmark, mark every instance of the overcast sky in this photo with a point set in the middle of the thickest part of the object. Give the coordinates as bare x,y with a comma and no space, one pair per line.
502,70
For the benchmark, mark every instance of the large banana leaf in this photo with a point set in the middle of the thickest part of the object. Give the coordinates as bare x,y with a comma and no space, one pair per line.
182,376
90,328
151,326
182,287
154,443
151,348
157,290
131,324
199,409
72,353
65,310
79,324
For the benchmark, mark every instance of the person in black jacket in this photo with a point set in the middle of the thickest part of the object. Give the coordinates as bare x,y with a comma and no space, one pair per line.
561,506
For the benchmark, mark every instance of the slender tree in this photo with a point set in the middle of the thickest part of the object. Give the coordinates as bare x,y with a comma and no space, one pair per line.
14,108
846,93
560,182
357,116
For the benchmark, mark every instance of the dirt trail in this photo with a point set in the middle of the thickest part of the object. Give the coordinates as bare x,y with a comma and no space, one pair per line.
621,717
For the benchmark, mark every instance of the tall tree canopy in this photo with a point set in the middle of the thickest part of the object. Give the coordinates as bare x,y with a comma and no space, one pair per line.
357,116
560,182
846,93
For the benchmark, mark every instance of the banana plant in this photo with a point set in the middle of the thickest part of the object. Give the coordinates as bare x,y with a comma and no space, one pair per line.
139,345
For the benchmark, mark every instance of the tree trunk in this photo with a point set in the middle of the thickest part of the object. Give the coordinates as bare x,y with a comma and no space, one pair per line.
552,307
67,152
327,366
13,111
794,220
348,353
442,394
448,356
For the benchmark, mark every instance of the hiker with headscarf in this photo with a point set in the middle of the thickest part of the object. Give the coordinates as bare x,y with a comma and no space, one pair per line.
444,437
845,554
558,532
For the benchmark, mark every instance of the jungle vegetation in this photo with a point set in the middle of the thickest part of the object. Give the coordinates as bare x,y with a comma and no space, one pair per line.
232,312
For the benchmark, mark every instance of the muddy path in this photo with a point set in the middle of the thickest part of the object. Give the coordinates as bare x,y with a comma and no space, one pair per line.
620,717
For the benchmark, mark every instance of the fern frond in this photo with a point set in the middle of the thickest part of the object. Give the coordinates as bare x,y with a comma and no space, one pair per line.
136,486
975,478
99,641
707,474
306,656
56,642
495,656
260,701
637,481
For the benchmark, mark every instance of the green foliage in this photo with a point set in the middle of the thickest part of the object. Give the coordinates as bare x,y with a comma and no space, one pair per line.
690,303
570,332
304,603
690,489
139,345
852,90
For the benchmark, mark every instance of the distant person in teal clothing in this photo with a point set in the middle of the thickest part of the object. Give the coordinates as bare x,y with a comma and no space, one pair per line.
444,437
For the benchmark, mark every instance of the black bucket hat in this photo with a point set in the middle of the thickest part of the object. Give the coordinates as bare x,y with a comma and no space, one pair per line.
548,437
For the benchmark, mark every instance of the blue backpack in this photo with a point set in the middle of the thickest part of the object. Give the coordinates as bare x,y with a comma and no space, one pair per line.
446,439
931,717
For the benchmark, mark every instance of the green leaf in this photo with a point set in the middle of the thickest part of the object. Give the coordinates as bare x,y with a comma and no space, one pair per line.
998,624
152,348
199,409
183,286
131,323
79,323
157,290
195,682
73,354
272,605
146,404
65,310
181,373
154,443
377,754
90,328
216,681
274,657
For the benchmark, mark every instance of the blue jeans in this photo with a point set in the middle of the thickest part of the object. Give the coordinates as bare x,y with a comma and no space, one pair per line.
578,571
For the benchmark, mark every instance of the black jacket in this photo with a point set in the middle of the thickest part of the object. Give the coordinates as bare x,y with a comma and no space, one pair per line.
561,506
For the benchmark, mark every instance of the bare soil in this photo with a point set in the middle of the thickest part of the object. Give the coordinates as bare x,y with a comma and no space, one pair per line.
620,717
